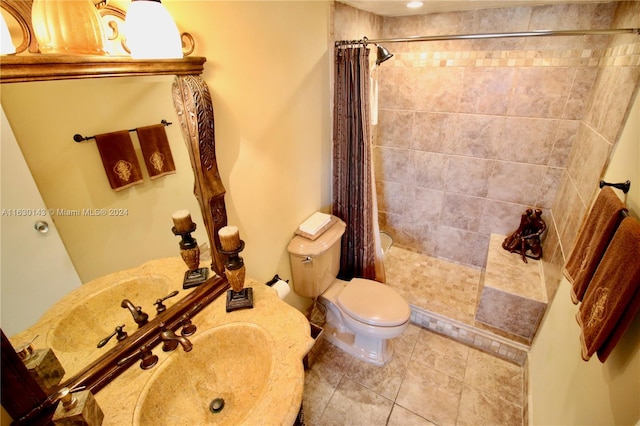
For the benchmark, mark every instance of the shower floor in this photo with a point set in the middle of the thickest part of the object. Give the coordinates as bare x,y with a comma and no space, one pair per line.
439,286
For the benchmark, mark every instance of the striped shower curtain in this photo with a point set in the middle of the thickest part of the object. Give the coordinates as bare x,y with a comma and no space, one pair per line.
354,198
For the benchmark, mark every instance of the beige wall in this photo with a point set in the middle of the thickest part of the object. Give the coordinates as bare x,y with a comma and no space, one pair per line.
564,390
268,72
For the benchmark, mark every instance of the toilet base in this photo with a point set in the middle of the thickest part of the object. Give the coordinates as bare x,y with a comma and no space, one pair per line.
371,350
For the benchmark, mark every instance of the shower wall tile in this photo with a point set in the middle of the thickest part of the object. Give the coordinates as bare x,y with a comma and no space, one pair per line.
507,19
392,164
501,218
412,88
516,182
436,89
568,211
586,161
394,88
428,169
563,142
610,103
571,16
468,175
486,90
540,91
579,94
552,259
548,187
527,140
435,132
510,313
394,128
392,197
462,212
422,238
461,246
425,205
478,135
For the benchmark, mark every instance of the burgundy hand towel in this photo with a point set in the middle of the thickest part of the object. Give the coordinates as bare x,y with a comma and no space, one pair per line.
611,301
156,150
119,159
592,241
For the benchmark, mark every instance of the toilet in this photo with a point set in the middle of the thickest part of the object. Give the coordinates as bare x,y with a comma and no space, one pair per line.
361,315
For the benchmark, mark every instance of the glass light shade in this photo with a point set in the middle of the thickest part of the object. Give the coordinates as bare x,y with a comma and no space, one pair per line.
6,44
151,32
72,27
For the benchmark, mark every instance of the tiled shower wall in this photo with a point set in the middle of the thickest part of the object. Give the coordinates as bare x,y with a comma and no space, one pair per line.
614,90
473,132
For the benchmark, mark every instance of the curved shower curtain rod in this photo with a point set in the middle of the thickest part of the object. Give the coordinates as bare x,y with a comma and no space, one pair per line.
537,33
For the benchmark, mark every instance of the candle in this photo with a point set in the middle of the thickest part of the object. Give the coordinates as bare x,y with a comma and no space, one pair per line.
182,221
229,238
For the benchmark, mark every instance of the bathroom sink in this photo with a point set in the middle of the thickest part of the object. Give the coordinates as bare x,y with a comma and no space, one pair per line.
231,363
91,319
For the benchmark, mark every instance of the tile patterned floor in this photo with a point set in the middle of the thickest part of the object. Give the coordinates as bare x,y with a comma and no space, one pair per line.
431,380
446,288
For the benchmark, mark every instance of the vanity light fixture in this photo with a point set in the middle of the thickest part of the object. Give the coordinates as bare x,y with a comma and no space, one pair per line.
151,32
68,27
414,4
6,44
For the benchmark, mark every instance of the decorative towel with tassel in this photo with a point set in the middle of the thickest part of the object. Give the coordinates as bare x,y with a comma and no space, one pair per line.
156,151
592,241
613,297
119,159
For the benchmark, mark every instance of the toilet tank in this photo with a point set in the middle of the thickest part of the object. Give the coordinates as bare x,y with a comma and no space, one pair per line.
315,264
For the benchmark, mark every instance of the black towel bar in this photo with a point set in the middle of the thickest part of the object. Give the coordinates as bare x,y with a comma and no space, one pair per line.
79,138
624,187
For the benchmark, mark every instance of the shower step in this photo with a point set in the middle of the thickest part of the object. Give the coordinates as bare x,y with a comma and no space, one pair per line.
513,298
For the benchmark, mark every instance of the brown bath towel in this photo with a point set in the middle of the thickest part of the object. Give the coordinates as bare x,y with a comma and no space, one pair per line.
156,150
611,301
592,241
119,159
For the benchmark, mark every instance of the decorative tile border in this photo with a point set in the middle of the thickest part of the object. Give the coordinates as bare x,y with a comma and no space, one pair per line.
471,336
622,55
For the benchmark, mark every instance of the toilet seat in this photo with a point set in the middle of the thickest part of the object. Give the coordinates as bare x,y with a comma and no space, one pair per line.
374,304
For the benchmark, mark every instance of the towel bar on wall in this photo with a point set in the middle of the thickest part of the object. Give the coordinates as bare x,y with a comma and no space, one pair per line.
79,138
624,187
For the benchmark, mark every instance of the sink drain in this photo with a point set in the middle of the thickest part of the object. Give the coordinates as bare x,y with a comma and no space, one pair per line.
216,405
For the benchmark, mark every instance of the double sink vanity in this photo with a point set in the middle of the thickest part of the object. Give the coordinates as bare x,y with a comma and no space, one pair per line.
249,361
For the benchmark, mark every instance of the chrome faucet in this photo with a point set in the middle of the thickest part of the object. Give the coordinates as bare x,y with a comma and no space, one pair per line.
171,341
136,311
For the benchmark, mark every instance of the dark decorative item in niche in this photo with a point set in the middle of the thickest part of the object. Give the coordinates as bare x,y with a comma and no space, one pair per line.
526,239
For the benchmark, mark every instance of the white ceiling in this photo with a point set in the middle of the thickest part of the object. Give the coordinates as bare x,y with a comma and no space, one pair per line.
399,8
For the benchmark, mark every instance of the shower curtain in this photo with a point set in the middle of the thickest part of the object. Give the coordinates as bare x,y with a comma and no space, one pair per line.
354,198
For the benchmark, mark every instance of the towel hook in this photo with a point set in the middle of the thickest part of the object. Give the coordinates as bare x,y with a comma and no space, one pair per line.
79,138
624,186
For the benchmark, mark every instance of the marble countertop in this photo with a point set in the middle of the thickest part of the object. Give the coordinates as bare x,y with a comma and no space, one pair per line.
287,327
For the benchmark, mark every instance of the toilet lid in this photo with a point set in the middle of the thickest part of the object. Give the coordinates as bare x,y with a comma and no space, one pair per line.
374,303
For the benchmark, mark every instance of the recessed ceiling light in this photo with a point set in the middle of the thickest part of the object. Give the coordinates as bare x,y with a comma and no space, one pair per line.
414,4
